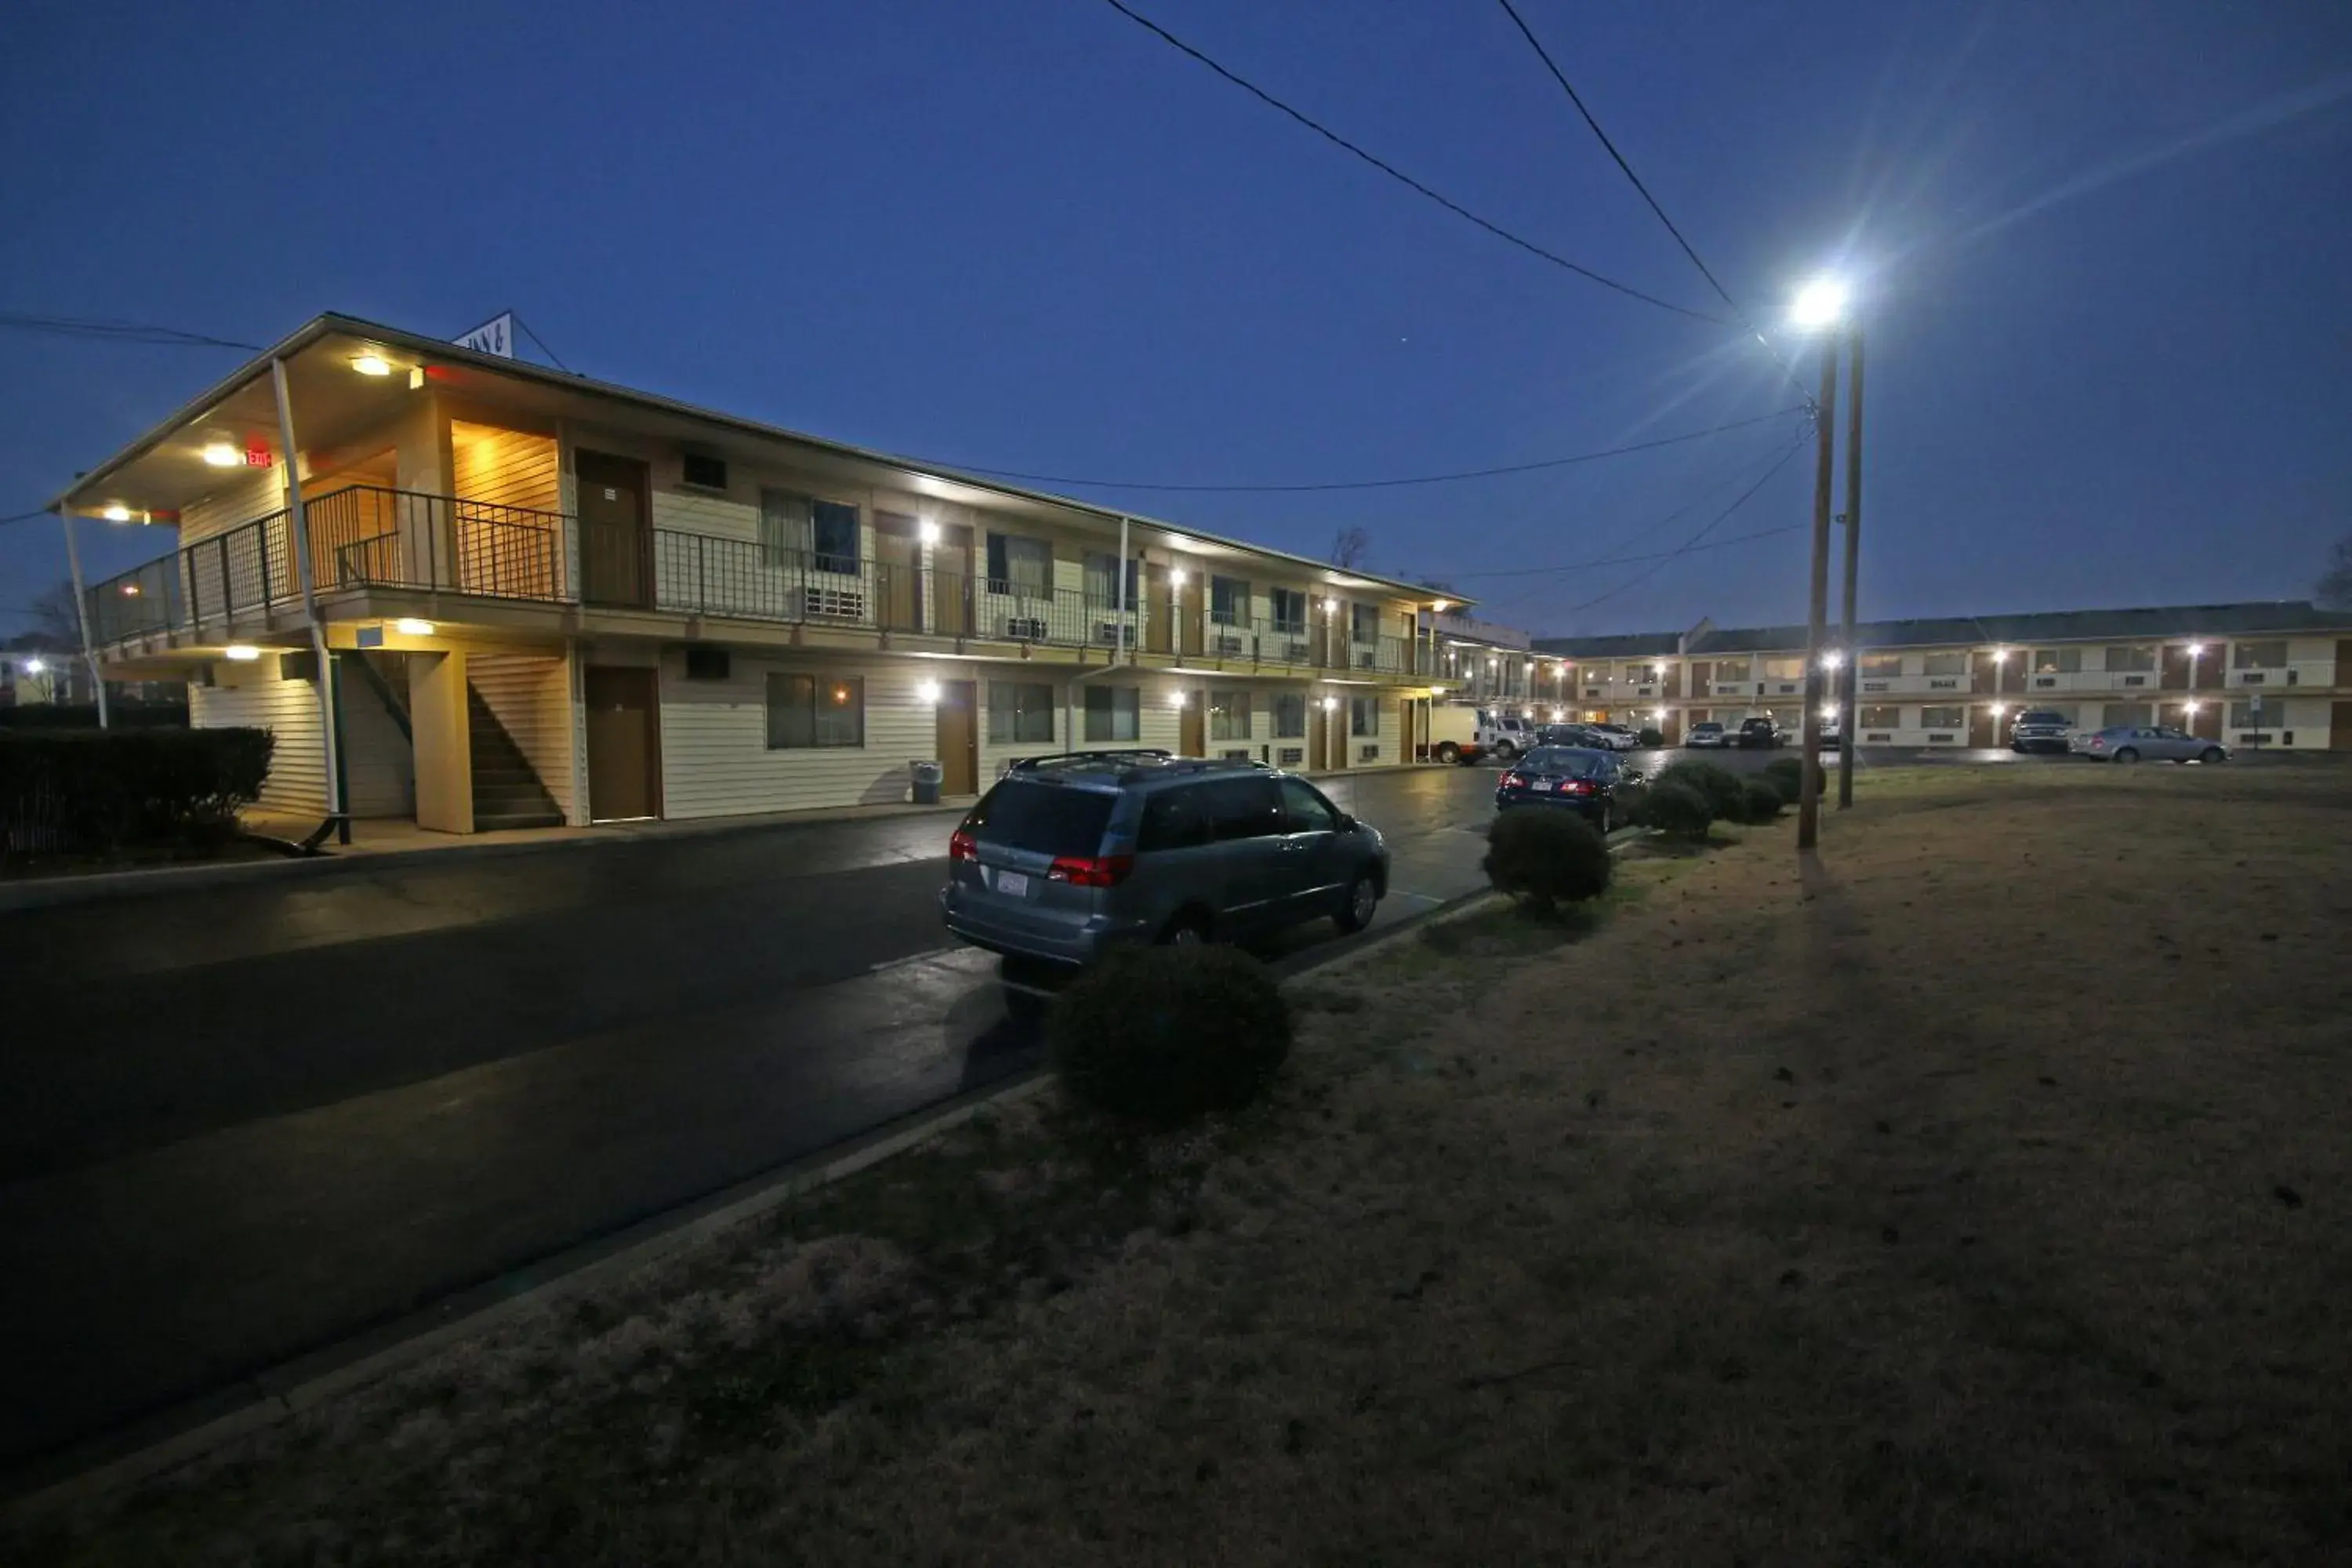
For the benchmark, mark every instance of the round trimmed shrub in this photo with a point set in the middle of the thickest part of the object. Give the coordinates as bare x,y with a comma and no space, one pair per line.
1163,1034
1786,774
1676,809
1652,738
1633,803
1763,803
1725,792
1545,858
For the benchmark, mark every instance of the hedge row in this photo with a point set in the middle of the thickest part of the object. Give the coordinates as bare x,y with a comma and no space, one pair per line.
84,791
1687,798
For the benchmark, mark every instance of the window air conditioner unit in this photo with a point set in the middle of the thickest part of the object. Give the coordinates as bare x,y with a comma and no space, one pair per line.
1941,740
1293,755
1877,740
2250,677
1026,628
2043,682
1112,632
1364,658
1235,754
1786,686
837,604
1645,692
1873,686
1950,685
1368,754
2135,680
1298,652
1230,644
2291,676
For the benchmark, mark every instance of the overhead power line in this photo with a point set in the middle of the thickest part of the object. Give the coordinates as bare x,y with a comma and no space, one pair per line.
1611,147
116,331
1697,540
1382,484
1392,172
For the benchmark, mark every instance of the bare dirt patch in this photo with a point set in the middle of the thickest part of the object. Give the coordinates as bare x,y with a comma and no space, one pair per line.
1976,1194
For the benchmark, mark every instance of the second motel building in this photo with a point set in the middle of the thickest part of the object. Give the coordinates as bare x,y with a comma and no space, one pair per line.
551,600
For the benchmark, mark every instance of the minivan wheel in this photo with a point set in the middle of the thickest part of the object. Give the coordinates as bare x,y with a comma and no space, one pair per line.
1356,912
1184,931
1505,751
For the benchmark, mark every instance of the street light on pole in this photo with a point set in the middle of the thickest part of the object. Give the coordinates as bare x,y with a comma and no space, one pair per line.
1821,309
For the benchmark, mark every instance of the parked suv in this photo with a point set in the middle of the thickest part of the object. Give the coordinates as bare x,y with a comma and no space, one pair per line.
1070,854
2040,730
1762,731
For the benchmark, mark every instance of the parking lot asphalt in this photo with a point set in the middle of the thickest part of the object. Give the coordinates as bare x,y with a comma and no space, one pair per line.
241,1124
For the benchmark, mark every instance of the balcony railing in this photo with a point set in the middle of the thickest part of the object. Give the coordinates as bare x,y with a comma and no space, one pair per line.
705,574
365,536
361,536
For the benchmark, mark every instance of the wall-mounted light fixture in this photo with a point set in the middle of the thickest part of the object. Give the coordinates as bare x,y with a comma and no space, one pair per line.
372,364
410,627
926,691
241,652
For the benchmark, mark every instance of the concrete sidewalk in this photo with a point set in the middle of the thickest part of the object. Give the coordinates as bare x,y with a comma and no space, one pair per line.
377,842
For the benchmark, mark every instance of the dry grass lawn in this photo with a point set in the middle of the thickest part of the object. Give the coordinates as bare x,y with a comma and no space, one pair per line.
1978,1194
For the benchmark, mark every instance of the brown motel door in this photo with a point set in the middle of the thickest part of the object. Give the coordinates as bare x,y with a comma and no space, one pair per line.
1983,729
897,555
958,737
615,535
623,743
1192,728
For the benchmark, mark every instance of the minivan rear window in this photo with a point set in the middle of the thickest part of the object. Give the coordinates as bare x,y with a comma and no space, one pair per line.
1045,819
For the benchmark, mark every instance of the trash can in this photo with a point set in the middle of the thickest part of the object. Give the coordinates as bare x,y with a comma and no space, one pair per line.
927,777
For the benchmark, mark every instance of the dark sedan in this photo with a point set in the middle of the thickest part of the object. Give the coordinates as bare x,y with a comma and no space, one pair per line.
1565,778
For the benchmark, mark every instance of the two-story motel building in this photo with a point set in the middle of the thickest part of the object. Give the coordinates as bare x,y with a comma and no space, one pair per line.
2276,674
546,599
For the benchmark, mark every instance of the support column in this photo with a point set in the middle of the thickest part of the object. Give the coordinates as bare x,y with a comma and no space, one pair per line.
81,615
442,730
298,532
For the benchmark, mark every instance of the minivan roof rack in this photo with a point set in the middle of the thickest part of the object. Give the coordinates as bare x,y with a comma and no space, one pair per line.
1030,765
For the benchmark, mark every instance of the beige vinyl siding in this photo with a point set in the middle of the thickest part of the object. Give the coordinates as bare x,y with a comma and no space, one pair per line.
714,739
531,697
289,710
507,468
244,496
379,760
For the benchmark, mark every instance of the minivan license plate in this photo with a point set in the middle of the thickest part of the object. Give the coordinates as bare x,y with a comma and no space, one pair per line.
1013,882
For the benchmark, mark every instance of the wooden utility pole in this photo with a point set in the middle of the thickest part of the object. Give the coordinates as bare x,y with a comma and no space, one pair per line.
1850,664
1809,799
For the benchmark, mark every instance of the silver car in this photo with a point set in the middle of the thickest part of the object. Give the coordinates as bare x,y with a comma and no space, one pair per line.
1706,732
2147,743
1068,854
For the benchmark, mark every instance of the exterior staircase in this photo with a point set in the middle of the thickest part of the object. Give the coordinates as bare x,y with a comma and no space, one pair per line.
507,793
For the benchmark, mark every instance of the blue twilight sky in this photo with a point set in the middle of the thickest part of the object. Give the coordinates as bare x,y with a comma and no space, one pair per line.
2110,293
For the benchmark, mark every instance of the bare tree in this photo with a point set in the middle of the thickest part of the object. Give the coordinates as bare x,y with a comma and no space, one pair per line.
2335,590
1351,547
55,617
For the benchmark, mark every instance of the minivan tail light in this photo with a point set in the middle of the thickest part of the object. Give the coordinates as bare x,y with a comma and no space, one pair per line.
964,845
1090,870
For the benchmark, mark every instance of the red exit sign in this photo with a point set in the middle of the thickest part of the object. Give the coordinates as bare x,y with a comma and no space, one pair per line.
258,457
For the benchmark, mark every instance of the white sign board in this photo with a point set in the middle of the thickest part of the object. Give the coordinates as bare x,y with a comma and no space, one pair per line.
495,336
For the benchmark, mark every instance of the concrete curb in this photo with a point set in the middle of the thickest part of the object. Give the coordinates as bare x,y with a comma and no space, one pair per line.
200,1425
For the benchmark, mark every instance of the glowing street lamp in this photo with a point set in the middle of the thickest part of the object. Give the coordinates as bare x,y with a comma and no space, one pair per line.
1819,304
